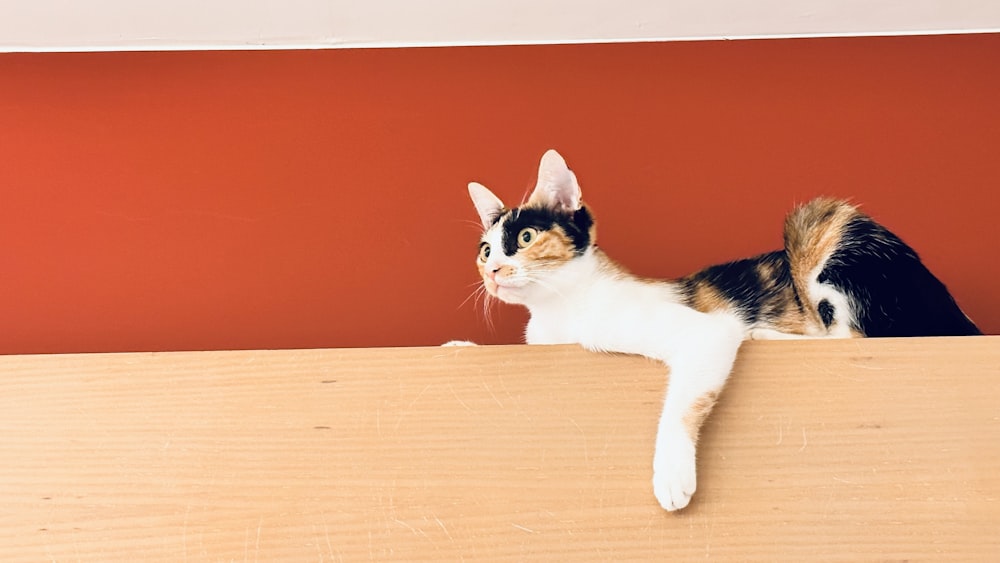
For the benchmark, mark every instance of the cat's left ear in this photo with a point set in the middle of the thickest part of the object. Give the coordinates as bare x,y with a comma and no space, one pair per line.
487,205
557,187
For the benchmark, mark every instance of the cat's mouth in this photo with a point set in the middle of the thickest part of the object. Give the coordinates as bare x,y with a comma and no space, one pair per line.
508,287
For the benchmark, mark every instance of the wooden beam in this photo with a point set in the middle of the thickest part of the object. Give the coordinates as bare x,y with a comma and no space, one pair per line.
861,449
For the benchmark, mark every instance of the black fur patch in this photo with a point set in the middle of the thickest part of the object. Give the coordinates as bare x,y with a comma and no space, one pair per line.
894,294
826,312
576,225
495,218
740,282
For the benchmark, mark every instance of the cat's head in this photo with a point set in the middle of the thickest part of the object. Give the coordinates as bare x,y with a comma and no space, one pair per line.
522,246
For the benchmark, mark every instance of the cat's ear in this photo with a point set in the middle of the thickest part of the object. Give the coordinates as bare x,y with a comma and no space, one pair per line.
487,205
557,187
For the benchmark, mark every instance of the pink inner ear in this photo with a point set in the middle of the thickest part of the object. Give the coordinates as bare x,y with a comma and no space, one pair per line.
557,186
488,206
567,192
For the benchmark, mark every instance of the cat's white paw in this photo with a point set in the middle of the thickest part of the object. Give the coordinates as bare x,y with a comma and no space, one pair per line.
674,473
459,343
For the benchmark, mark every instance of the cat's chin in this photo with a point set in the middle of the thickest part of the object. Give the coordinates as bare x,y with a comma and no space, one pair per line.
501,292
510,295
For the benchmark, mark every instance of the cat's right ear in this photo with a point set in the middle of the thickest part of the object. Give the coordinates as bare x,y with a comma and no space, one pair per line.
557,187
487,205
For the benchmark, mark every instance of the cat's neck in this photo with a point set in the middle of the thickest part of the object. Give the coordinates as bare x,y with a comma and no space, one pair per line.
589,296
590,276
568,283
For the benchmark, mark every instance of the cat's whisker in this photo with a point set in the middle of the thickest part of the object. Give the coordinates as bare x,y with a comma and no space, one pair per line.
478,226
547,266
475,293
526,196
488,309
480,293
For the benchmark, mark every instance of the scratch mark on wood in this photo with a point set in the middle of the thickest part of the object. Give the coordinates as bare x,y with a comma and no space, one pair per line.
443,527
405,525
586,452
409,407
492,394
457,398
256,548
184,532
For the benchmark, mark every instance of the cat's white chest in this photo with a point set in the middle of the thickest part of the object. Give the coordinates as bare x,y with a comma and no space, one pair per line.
543,329
601,315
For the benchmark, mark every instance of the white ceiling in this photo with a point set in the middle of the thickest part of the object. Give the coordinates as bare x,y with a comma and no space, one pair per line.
60,25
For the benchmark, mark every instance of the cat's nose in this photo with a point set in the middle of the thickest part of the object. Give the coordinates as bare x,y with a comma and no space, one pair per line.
493,272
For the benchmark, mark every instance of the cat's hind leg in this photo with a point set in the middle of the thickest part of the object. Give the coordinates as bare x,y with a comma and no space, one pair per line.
815,236
855,278
760,333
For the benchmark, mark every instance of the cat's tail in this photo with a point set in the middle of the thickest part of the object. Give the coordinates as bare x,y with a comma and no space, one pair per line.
854,277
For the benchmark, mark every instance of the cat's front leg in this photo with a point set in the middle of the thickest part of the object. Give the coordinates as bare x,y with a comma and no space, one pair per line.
696,379
674,460
674,468
459,343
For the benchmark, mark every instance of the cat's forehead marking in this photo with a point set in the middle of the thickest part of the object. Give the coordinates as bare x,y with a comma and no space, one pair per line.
575,230
499,216
576,225
496,227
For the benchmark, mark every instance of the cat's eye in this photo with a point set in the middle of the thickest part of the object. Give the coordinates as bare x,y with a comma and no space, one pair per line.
484,251
526,237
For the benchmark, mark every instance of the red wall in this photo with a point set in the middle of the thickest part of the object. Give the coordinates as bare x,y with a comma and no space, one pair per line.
212,200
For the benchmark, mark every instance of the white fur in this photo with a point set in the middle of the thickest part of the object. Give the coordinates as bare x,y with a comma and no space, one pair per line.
583,301
843,313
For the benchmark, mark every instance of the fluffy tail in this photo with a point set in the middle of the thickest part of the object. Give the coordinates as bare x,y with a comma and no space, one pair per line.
854,277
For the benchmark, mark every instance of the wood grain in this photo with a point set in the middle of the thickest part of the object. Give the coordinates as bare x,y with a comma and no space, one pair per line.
840,450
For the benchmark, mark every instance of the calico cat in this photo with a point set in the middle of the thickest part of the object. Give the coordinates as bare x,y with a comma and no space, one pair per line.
840,275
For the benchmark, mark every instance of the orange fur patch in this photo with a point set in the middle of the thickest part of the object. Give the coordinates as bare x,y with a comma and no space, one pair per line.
793,320
706,298
552,245
698,412
812,232
766,272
